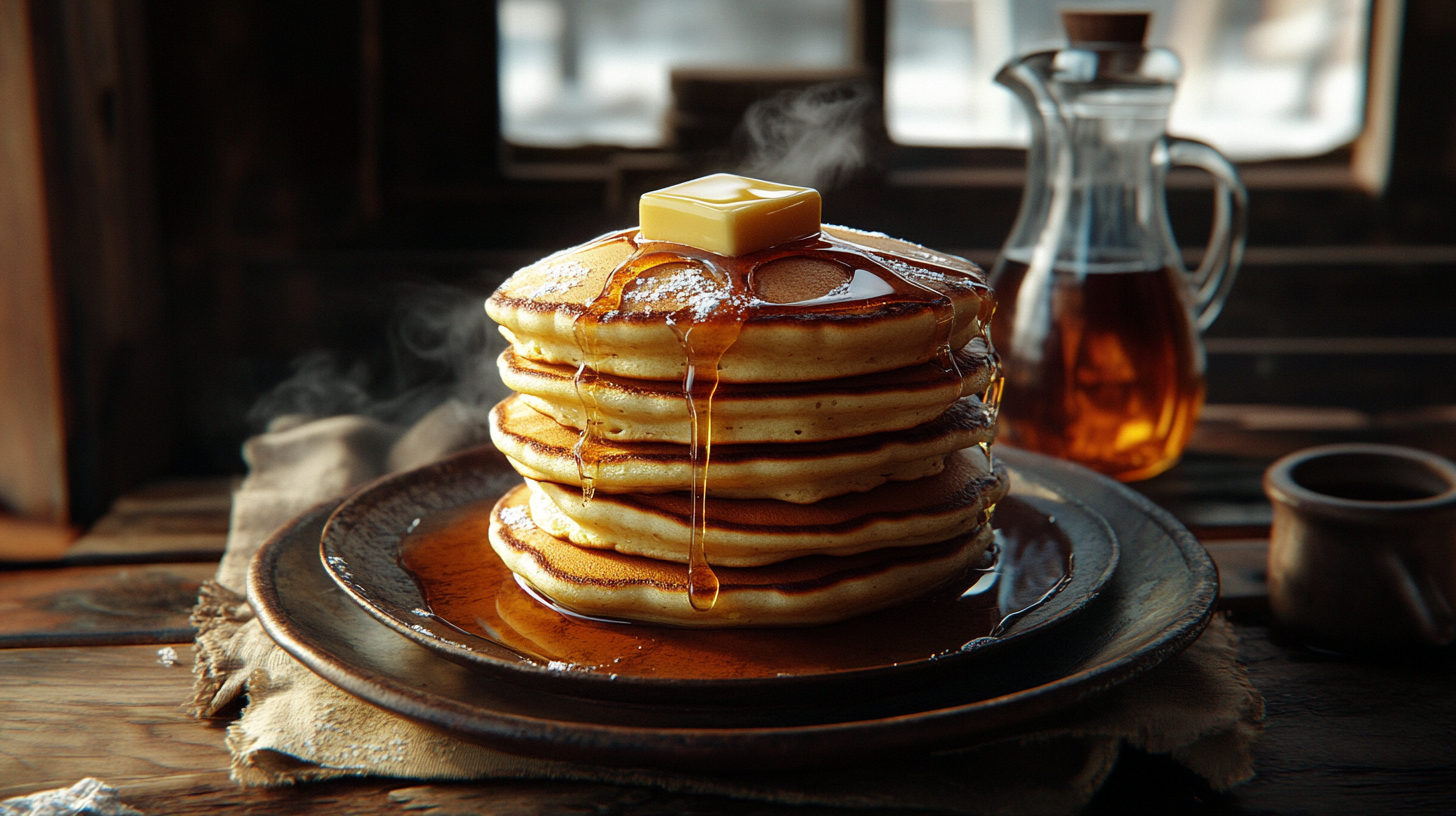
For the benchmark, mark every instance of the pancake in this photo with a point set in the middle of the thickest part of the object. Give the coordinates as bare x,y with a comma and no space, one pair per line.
796,387
750,533
540,448
807,591
655,410
843,304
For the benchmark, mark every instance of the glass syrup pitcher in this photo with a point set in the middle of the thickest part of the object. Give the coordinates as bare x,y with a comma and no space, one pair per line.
1098,320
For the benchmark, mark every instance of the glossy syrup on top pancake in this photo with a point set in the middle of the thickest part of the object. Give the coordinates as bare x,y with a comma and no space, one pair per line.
706,298
465,584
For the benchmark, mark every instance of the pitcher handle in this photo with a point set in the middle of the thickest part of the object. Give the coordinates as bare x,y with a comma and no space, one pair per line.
1214,277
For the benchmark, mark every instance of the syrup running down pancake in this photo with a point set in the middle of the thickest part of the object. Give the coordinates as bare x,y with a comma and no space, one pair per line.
749,532
543,449
891,291
803,591
771,437
656,411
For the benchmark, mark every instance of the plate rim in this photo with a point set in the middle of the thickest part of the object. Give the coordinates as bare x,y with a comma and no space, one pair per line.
730,748
355,513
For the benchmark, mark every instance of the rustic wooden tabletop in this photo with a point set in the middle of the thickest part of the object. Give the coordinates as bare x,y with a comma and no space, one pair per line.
84,691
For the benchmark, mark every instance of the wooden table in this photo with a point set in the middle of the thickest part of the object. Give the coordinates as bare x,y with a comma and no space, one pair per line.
83,692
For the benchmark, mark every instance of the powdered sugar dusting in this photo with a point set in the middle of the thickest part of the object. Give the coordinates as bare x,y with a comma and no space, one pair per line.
904,252
516,518
686,287
919,273
562,275
842,290
858,231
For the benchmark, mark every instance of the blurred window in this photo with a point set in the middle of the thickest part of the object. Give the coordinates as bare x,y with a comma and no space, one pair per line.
1262,79
579,72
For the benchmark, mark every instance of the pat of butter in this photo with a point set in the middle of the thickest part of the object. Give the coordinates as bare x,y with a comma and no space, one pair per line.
730,215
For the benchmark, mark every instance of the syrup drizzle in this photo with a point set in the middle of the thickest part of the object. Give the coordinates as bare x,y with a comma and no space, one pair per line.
702,582
712,296
991,397
465,585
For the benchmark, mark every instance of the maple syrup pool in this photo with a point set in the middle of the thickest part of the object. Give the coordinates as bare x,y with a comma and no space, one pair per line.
467,586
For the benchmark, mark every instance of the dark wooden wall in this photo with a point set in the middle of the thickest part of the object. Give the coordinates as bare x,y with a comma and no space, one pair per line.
32,405
96,126
238,182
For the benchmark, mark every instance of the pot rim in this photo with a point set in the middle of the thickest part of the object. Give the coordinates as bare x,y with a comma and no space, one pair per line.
1281,488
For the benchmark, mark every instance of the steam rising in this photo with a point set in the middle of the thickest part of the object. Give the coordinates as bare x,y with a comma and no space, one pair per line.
818,137
441,347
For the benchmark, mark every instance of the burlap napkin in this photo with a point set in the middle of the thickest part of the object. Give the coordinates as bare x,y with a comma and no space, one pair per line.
1199,707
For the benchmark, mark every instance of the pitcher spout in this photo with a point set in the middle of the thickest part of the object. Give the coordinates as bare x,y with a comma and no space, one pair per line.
1029,78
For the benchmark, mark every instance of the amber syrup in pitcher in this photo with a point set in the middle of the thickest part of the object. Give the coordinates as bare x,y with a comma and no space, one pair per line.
1119,383
1099,324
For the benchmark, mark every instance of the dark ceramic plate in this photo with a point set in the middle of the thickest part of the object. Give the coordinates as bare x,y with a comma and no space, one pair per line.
1156,603
362,543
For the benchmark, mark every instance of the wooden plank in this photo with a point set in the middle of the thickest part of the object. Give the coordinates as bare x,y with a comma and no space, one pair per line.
1216,497
32,412
27,540
202,795
183,796
523,797
1350,735
1370,158
1263,433
76,606
1344,736
1243,566
168,521
395,796
114,713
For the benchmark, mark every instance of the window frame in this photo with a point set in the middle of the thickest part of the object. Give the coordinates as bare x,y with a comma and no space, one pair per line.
1363,165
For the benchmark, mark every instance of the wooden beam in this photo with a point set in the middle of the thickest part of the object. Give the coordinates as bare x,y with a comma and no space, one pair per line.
92,94
32,413
1370,159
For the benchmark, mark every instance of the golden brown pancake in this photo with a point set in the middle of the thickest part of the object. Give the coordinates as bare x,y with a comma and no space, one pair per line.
799,329
754,532
807,390
540,448
656,411
804,591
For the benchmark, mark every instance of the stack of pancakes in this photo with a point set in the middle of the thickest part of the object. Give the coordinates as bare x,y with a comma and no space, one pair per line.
848,467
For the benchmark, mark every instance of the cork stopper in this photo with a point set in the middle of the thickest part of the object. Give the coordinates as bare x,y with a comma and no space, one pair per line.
1103,27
